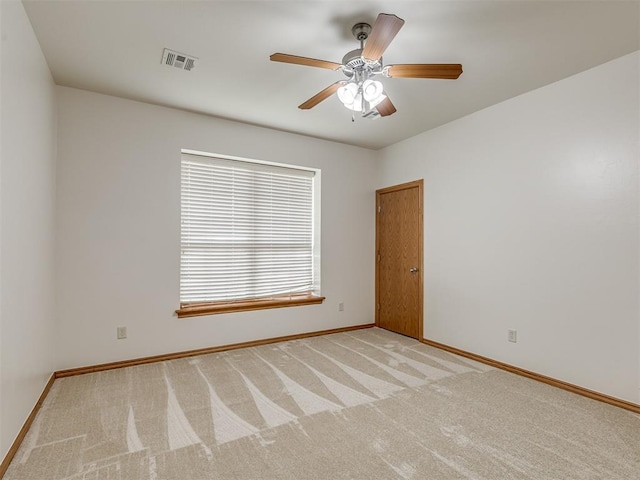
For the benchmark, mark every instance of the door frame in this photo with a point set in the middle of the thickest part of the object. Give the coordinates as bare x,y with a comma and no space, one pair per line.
403,186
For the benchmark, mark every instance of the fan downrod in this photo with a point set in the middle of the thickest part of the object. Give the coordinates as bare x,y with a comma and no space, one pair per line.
353,61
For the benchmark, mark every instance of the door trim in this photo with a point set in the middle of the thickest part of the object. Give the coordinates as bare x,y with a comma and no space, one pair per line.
382,191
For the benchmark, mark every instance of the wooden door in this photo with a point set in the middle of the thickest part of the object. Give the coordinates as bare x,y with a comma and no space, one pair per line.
399,259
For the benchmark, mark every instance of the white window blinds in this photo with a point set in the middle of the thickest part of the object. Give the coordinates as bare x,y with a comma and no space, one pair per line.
246,230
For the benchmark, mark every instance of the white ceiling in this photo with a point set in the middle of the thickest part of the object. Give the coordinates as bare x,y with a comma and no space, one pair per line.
506,48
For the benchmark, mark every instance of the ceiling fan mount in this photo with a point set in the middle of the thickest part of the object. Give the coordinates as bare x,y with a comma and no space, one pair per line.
360,92
361,31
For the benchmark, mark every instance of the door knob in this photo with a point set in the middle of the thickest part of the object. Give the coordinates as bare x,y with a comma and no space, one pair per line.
413,269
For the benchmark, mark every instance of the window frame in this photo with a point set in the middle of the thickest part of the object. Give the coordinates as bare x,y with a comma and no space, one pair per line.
191,309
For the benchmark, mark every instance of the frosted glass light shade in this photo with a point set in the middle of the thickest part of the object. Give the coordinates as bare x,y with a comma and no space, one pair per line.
372,89
350,97
347,93
357,103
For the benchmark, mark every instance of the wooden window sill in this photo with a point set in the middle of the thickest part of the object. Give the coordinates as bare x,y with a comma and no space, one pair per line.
198,309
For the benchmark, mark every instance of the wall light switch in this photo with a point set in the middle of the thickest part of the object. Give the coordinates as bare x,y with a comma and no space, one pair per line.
122,333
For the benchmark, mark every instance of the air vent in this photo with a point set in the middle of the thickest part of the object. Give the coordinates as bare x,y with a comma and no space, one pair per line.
178,60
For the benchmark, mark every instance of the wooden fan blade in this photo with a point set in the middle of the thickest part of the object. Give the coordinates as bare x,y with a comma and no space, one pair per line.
382,33
320,96
449,71
310,62
386,108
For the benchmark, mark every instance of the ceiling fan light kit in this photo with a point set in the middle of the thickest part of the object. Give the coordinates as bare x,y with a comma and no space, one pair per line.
360,92
356,95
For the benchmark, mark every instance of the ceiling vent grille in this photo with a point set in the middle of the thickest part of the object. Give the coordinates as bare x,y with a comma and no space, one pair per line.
178,60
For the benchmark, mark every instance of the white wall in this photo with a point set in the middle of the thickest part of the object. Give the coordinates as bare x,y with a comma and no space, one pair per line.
3,449
531,223
27,194
119,225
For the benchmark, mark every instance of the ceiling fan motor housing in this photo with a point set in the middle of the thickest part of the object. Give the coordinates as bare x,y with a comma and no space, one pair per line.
353,62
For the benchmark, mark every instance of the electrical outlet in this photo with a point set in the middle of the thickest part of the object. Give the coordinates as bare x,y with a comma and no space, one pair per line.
341,307
512,336
122,333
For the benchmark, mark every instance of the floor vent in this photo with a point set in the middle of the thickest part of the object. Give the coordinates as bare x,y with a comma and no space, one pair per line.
178,60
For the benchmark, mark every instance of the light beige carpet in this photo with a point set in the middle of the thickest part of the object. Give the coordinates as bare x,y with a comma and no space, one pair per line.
367,404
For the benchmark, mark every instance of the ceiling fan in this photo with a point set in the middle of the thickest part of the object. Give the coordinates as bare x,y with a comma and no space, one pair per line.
360,92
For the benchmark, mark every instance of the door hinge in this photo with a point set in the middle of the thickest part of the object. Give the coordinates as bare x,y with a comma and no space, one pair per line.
378,257
378,306
379,208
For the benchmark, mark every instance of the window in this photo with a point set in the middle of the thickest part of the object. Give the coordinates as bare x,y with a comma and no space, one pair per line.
248,236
